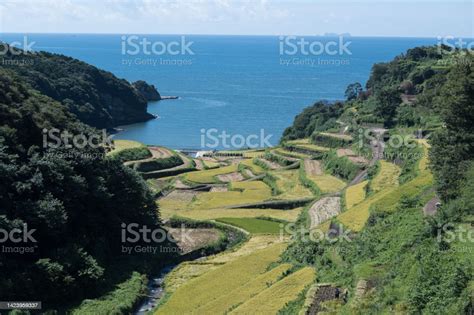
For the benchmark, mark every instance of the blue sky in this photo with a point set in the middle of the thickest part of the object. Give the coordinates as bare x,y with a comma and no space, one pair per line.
418,18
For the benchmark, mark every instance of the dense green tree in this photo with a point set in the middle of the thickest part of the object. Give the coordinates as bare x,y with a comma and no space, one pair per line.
453,145
352,91
74,198
404,254
96,97
388,99
321,116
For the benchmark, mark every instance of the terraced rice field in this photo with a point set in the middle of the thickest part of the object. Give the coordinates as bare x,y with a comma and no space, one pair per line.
120,145
312,168
240,281
158,184
270,164
281,154
194,238
179,184
254,225
328,183
336,135
230,177
356,217
193,269
199,164
248,173
253,154
413,188
160,152
355,194
271,300
210,214
175,202
300,141
252,166
238,296
286,153
209,176
210,164
312,147
242,193
387,177
232,275
288,182
423,163
219,188
323,210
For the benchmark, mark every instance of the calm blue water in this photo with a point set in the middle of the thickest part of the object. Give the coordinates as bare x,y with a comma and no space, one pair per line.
236,84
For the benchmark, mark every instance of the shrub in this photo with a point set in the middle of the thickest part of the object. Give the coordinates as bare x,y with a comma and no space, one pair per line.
270,180
329,140
340,166
307,182
277,159
131,154
157,164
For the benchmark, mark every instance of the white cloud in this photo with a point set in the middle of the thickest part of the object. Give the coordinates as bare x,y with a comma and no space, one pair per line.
361,17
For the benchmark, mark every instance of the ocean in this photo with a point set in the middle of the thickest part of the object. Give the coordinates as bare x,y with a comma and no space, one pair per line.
229,87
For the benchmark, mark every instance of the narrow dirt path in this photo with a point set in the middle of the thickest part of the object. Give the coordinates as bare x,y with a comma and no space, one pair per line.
324,209
377,154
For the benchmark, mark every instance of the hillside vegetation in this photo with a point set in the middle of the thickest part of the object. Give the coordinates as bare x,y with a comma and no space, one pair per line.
75,200
96,97
398,257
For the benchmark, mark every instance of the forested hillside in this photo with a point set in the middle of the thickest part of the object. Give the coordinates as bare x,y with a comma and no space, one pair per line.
96,97
73,199
403,254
